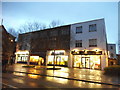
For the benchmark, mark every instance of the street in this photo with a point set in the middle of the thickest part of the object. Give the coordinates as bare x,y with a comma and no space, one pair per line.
41,78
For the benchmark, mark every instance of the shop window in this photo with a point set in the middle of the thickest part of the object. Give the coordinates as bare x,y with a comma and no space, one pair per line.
78,43
92,42
92,28
79,29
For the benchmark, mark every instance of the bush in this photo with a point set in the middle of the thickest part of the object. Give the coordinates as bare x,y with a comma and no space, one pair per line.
29,66
112,70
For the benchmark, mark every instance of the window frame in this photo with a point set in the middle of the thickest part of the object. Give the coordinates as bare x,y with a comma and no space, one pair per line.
92,26
94,43
78,43
79,30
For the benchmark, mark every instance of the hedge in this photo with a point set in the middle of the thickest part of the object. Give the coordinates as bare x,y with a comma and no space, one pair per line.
29,66
112,70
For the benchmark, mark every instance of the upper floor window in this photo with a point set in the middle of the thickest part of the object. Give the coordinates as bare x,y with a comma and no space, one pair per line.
92,28
92,42
79,29
64,32
78,43
111,47
54,33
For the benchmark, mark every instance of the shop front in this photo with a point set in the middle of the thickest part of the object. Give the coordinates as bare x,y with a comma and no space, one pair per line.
22,56
57,57
36,60
89,59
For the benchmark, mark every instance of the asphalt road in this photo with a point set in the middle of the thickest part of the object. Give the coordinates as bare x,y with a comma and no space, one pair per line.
22,80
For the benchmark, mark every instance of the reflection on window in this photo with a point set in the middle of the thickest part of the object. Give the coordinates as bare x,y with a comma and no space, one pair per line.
79,29
92,28
92,42
78,43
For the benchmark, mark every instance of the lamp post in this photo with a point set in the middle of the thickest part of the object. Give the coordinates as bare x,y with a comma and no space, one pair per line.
54,60
54,54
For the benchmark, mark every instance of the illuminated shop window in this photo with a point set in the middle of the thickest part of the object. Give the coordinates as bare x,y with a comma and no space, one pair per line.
59,60
90,61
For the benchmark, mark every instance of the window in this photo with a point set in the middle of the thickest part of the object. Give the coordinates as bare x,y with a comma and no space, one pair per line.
79,29
64,32
78,43
111,47
92,28
92,42
54,33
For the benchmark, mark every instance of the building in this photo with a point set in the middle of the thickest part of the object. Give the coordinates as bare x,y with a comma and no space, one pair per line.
38,44
8,45
82,45
112,58
118,59
89,44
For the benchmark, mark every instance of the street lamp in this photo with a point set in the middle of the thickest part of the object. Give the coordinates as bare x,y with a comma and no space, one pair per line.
54,54
54,60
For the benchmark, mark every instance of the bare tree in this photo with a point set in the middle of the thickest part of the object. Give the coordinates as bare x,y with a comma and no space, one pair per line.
55,23
13,32
31,26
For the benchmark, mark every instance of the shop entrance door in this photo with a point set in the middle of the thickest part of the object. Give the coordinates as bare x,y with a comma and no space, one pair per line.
85,62
58,60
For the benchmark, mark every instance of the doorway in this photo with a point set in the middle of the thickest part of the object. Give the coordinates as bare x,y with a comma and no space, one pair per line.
85,62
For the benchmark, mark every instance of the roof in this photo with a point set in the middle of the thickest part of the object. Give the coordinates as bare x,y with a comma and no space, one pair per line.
88,21
6,31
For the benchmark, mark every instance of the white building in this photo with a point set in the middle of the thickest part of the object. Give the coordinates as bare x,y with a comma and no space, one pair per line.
89,45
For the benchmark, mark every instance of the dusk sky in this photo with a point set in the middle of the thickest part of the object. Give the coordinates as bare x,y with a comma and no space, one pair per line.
17,13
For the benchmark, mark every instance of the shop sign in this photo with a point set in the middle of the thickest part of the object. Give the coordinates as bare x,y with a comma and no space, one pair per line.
57,53
87,52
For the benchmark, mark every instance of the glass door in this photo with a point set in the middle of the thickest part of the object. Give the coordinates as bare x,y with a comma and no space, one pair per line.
85,62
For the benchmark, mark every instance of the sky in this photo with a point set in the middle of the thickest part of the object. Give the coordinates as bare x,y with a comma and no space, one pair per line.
17,13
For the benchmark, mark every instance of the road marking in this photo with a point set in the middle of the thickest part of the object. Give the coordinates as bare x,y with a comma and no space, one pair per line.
10,86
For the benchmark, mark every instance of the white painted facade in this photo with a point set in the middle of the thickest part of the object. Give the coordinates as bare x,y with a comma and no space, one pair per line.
100,35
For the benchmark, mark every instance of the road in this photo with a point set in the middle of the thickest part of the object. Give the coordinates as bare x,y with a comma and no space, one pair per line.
22,80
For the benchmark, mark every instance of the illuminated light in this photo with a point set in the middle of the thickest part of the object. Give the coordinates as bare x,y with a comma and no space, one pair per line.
75,50
11,40
34,58
22,52
57,51
19,74
96,49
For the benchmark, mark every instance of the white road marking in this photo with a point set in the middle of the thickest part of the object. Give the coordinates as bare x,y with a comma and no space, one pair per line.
10,85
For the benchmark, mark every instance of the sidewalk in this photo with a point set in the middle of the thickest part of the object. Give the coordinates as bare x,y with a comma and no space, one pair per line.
85,75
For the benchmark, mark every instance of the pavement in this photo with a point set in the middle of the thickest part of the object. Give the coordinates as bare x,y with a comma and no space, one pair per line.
76,74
